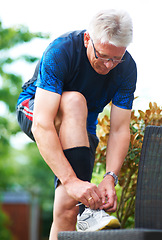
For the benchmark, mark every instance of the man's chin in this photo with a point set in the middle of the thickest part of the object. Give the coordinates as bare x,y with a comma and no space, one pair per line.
102,71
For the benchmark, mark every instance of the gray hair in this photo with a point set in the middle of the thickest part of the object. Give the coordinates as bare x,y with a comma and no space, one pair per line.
112,26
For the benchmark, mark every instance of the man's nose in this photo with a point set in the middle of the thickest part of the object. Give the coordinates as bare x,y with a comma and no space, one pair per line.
109,64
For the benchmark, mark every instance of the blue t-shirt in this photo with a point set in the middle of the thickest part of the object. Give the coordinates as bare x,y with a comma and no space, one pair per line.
65,67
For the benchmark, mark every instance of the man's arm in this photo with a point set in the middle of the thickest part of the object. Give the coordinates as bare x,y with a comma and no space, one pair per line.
45,110
117,148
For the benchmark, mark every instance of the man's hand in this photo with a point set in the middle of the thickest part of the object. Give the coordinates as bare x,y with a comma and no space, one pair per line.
108,193
84,192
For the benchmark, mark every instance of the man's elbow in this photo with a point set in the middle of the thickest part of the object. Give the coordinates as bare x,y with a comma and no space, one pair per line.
126,133
37,127
40,126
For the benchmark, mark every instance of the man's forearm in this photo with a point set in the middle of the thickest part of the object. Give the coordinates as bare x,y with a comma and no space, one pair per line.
51,150
117,148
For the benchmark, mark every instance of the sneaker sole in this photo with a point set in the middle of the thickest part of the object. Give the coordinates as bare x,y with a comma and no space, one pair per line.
113,224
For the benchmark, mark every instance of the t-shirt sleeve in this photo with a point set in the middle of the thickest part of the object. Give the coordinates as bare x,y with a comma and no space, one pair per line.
124,96
53,70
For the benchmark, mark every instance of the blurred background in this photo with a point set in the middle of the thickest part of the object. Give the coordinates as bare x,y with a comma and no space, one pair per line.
26,29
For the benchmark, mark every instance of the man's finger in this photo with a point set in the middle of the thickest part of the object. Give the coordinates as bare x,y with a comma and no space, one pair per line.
96,201
111,206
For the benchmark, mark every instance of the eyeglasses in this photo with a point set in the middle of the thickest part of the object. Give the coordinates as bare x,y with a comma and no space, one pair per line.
114,61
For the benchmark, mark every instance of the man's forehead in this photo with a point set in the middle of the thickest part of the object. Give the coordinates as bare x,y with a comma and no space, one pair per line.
107,48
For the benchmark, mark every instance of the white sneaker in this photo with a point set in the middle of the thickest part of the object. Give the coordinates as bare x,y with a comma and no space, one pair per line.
95,220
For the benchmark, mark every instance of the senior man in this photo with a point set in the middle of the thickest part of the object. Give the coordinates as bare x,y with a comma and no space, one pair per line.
79,73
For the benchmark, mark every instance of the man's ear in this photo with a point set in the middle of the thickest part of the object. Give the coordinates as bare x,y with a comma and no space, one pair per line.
86,39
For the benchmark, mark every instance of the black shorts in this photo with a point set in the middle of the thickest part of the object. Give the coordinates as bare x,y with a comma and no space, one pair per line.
25,117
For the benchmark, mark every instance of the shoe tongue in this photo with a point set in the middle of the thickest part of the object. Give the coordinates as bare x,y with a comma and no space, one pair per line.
88,210
91,211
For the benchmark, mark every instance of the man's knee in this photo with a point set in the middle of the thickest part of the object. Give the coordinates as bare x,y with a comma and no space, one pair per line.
73,109
73,103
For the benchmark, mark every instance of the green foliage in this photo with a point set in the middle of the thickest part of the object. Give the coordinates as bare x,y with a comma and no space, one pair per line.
126,188
34,175
11,83
10,37
10,88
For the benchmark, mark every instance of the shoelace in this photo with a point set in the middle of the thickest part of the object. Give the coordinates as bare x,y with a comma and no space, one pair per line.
95,212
